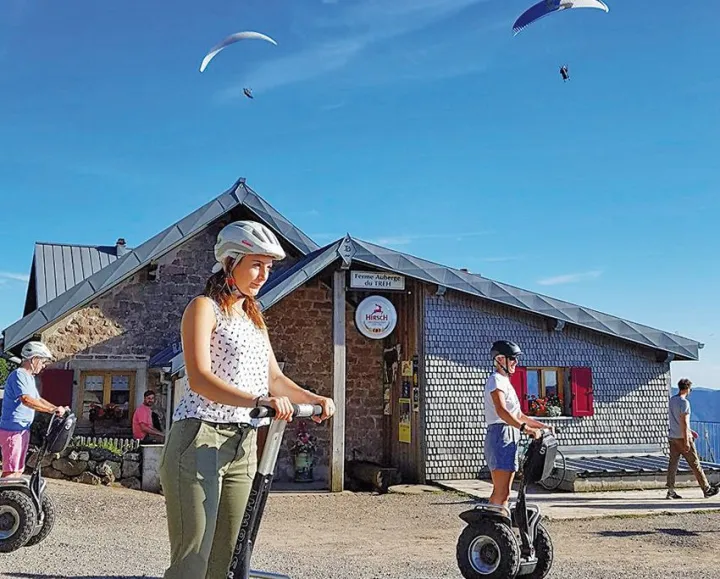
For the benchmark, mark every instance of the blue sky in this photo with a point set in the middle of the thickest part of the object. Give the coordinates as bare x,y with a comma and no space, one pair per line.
423,125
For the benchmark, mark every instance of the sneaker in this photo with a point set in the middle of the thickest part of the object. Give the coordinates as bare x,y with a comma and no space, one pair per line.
711,491
671,494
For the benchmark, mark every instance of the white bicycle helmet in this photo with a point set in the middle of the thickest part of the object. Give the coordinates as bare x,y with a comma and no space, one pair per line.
35,350
245,238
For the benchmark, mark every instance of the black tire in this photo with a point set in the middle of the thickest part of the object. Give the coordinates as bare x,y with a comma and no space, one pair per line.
543,552
500,556
48,507
19,517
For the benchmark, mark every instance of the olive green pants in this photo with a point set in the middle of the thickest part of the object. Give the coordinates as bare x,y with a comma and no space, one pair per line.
206,474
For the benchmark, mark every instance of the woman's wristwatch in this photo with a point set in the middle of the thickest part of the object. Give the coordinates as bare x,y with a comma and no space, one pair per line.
522,426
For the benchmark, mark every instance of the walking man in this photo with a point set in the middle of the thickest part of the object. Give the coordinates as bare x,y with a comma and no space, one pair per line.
682,443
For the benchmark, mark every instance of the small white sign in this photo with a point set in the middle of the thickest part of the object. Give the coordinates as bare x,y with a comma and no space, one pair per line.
375,317
376,280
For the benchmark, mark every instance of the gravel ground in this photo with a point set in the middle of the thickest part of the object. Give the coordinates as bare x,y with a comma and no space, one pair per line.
104,532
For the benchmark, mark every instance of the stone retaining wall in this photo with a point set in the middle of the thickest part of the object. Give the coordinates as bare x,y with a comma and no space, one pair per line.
93,465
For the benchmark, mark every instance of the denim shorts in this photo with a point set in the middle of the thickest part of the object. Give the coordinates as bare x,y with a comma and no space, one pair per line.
501,447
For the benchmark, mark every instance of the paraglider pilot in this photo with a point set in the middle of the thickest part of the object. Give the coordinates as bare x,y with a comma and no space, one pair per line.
564,72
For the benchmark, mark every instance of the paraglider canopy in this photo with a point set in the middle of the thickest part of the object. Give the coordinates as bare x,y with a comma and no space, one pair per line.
232,39
248,93
547,7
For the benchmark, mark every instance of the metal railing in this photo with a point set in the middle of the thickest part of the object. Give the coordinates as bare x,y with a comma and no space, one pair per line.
708,440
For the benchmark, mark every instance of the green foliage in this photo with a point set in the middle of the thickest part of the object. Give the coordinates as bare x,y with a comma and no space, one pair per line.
5,368
106,444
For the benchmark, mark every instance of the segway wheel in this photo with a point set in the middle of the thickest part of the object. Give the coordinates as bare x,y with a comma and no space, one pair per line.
48,507
17,520
543,552
489,550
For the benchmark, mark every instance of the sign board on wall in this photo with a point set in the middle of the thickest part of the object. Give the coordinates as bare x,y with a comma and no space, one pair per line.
404,426
376,280
375,317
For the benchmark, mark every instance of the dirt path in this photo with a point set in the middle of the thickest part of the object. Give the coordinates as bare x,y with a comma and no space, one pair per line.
119,533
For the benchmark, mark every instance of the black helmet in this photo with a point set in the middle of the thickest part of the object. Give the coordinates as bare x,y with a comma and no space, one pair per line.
505,348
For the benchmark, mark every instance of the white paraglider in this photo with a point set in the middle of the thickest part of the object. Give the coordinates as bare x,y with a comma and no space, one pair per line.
547,7
232,39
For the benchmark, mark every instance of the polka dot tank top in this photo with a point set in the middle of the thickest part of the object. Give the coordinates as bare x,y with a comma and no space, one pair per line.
240,355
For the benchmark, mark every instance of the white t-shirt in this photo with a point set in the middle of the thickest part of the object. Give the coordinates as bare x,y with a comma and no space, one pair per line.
512,402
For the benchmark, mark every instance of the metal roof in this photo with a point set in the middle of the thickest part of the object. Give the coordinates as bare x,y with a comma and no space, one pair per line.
122,268
449,278
512,296
599,466
57,267
164,357
277,287
351,250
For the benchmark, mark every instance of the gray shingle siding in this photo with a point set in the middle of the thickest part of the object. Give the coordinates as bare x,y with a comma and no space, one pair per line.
630,388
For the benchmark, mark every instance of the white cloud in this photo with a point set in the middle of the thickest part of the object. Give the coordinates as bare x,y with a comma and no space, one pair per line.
7,275
570,278
410,238
347,32
500,258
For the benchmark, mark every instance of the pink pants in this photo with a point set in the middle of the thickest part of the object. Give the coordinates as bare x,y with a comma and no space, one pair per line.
14,446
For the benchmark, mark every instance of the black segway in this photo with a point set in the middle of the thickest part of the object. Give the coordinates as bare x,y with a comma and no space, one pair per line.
490,548
27,512
240,564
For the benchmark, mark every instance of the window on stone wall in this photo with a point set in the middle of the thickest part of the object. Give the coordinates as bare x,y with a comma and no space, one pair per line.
107,395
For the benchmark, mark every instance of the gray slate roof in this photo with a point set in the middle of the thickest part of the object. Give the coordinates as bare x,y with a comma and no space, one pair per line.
476,285
124,267
58,267
352,250
316,259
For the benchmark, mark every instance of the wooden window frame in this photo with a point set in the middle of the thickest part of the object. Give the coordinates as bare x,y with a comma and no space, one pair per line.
561,374
107,388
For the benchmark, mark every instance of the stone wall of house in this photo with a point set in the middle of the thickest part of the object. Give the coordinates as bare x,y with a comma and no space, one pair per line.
300,328
124,328
141,315
630,387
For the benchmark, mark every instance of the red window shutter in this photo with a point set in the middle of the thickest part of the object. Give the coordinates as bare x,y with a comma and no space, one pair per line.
582,391
57,386
519,382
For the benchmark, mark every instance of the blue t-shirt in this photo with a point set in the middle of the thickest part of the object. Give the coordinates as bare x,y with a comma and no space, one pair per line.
15,415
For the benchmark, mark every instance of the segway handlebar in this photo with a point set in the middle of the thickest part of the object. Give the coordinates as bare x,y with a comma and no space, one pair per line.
299,411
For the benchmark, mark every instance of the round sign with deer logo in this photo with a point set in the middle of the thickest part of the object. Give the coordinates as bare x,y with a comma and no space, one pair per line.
375,317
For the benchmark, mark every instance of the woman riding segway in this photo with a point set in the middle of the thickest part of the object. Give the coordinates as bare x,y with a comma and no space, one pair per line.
210,456
505,421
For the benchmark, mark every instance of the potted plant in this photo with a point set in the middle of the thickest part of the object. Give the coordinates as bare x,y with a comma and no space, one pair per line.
303,451
544,406
553,406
